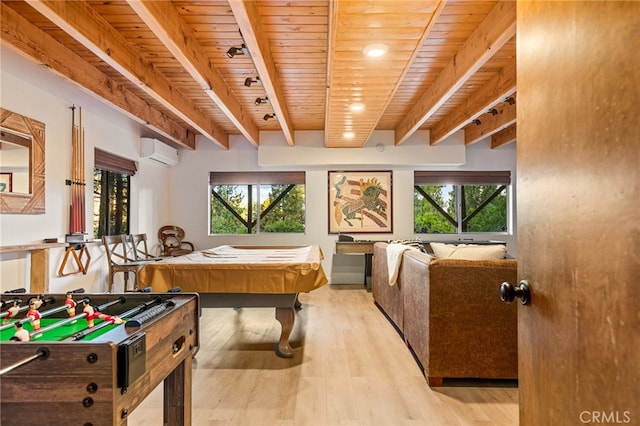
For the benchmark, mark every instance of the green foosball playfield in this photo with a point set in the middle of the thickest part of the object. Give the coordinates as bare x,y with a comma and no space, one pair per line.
66,332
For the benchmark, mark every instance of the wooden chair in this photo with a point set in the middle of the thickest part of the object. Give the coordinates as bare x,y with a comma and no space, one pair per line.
140,248
121,259
172,240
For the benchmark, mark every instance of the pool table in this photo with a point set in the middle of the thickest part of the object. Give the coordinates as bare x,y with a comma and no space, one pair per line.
244,276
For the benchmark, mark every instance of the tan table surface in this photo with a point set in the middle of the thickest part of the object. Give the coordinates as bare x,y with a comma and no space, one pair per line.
239,269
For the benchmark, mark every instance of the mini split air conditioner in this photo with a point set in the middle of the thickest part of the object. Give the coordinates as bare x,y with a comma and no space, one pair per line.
161,153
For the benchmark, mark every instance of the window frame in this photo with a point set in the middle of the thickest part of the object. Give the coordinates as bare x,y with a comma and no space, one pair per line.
252,181
459,180
108,163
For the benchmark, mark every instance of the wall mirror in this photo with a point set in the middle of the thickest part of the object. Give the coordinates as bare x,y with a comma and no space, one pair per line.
22,143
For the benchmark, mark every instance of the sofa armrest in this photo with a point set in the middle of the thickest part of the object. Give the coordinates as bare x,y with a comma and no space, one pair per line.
454,319
388,298
415,273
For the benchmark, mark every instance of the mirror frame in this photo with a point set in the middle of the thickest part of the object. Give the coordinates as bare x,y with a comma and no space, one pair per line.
32,203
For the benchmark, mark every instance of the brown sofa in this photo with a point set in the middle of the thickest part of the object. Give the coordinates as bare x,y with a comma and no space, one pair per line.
450,314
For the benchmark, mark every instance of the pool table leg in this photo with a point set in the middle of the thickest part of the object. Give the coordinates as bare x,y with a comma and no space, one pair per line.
286,318
296,303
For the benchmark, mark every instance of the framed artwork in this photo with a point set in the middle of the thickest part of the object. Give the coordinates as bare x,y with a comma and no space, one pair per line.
6,182
360,202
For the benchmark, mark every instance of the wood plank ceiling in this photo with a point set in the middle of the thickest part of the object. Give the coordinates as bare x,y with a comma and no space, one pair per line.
449,65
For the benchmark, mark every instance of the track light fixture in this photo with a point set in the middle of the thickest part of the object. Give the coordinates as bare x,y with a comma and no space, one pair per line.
248,81
233,51
260,101
477,122
510,100
268,116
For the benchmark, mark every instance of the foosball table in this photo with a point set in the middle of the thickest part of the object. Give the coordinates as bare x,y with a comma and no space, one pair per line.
91,359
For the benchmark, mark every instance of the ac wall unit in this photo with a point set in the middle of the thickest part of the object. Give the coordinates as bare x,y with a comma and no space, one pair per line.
161,153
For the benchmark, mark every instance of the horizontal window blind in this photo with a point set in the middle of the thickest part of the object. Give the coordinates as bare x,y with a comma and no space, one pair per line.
457,177
247,178
106,161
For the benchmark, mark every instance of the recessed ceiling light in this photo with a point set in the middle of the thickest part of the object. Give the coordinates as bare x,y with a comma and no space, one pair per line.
356,107
375,50
348,135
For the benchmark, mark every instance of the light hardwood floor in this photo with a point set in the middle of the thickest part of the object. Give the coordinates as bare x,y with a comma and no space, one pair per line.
350,368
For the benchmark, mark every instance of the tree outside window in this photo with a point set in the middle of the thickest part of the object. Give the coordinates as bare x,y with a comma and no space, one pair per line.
452,203
111,193
283,209
273,202
111,203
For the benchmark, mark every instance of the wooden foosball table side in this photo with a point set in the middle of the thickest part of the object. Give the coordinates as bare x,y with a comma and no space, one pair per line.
101,382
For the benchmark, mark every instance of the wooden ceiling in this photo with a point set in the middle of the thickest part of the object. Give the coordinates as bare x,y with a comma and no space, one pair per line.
450,65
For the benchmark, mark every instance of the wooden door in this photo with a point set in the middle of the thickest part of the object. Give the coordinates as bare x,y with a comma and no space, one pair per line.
578,205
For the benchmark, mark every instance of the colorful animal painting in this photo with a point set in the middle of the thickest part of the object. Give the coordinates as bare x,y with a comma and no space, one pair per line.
360,204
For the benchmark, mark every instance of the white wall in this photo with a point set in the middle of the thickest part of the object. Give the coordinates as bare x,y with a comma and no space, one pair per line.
32,91
179,195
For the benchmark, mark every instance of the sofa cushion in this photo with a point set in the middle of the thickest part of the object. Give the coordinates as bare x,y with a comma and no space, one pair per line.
469,251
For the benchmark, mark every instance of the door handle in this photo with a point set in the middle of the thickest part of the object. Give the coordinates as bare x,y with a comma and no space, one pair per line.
508,293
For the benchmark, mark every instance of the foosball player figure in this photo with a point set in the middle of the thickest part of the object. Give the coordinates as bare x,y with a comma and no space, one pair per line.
34,314
12,311
92,314
37,301
70,304
21,335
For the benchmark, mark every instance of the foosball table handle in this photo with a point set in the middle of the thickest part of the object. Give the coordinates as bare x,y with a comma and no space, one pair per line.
40,353
149,314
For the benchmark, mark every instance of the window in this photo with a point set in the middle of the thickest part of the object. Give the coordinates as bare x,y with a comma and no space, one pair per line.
111,194
256,202
460,202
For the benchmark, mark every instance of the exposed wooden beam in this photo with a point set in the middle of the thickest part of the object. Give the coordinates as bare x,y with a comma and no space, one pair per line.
495,90
84,24
332,29
174,33
248,18
25,38
493,32
504,136
490,123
